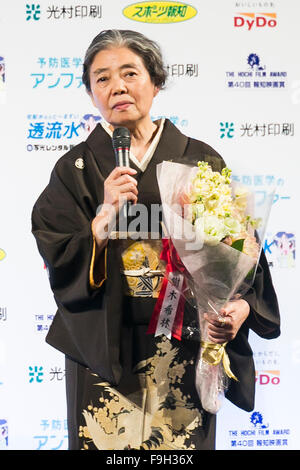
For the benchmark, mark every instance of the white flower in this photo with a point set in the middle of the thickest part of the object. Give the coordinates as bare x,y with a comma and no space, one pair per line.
232,226
198,210
213,200
241,197
199,229
213,230
216,213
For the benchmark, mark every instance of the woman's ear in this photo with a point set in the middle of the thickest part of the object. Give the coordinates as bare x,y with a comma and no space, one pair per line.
156,90
91,97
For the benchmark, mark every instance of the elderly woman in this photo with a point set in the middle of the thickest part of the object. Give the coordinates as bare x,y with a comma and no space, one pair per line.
127,389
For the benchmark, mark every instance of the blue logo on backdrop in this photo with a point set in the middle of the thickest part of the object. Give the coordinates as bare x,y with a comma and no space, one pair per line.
260,435
226,130
254,62
255,75
256,419
52,434
280,249
33,12
53,132
63,12
3,434
36,374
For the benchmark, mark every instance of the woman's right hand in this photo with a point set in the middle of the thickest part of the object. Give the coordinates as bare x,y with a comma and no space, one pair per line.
119,187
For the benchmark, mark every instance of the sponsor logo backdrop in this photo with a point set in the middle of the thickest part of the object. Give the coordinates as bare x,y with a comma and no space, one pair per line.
234,82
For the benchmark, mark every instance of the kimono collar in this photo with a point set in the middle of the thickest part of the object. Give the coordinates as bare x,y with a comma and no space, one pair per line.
142,165
171,146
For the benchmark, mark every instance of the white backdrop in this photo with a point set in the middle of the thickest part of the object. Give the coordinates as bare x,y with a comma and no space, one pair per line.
234,82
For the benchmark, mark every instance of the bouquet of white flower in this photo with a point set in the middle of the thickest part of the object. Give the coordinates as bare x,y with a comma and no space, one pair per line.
211,225
216,213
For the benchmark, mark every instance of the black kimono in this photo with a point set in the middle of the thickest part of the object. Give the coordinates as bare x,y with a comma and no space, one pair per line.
125,388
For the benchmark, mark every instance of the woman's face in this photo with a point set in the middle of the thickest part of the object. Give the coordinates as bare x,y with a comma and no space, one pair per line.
121,88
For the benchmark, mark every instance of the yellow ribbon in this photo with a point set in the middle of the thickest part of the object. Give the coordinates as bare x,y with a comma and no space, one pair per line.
213,354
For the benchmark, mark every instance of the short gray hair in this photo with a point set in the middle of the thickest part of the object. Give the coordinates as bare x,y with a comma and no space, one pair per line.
147,49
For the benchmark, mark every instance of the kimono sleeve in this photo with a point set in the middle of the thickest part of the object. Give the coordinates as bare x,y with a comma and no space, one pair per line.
264,317
65,241
86,326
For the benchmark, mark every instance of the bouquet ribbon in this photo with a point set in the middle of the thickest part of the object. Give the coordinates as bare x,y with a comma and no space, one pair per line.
167,317
214,353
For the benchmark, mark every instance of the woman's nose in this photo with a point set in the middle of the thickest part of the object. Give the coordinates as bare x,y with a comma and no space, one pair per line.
119,86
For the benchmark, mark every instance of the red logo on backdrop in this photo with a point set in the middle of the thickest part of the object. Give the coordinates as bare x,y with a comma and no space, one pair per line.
255,20
267,377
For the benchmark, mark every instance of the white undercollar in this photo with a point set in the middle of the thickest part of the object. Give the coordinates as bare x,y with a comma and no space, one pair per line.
142,165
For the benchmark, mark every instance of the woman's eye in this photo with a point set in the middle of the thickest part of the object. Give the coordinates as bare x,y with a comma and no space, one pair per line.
102,79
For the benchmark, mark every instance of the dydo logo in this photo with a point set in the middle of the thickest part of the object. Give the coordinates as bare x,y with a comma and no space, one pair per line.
255,20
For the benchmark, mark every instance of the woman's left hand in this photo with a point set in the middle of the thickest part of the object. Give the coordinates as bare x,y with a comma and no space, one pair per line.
232,316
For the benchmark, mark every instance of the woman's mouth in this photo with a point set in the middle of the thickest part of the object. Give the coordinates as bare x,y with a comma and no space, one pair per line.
123,105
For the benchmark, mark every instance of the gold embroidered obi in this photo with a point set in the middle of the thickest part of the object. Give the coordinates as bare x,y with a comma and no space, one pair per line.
141,266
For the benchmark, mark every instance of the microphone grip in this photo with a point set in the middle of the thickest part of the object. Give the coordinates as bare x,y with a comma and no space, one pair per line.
122,159
122,156
126,157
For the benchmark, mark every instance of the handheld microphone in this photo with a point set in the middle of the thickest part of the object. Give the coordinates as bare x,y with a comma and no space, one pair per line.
121,144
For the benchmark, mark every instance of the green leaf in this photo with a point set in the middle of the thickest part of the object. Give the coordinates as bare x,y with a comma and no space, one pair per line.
238,244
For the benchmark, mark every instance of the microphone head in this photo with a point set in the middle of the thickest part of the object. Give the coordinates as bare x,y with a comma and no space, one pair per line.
121,138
